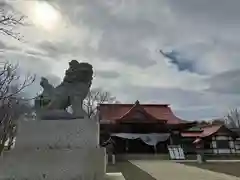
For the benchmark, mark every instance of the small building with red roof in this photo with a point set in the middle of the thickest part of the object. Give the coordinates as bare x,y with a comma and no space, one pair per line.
215,138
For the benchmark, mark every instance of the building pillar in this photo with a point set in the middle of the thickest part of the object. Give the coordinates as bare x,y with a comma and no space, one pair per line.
126,145
174,138
155,149
200,152
171,140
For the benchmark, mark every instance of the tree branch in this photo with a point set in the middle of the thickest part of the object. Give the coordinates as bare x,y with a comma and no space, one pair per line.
233,118
11,106
94,98
9,21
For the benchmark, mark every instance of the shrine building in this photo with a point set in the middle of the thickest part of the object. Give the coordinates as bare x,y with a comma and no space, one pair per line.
151,128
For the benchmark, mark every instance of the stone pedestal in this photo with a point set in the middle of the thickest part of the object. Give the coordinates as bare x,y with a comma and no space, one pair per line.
55,150
200,158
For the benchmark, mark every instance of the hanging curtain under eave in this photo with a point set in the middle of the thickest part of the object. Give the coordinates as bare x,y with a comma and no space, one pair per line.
151,139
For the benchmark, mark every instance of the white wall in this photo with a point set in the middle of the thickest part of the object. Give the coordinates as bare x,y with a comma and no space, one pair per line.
217,150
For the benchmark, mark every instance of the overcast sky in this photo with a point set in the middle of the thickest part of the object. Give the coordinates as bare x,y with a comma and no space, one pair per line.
197,73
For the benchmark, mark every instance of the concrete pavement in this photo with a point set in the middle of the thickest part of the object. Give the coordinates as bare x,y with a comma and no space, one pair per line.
114,176
212,161
167,170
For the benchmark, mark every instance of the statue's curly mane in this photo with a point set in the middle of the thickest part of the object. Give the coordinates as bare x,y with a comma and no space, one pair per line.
79,72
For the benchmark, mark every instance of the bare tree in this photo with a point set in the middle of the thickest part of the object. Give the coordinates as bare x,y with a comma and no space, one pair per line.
10,19
11,87
95,97
232,120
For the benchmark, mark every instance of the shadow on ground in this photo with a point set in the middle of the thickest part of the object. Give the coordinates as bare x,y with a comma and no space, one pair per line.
230,168
129,171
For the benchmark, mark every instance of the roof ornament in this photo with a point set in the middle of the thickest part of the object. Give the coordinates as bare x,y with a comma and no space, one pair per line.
137,102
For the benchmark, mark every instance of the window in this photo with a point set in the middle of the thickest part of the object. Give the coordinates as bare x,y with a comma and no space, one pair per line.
223,144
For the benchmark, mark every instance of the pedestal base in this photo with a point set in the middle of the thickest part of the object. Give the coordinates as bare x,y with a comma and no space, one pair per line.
55,150
82,164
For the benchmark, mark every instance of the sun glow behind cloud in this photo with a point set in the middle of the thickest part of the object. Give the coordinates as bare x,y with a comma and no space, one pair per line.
45,15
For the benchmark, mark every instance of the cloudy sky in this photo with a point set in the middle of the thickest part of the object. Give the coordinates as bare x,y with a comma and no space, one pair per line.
197,71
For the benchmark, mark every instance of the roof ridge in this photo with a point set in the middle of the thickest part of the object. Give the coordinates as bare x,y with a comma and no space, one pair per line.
161,112
137,104
128,111
132,104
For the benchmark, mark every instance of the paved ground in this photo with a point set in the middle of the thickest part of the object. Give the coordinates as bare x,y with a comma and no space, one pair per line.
211,161
167,170
227,167
129,171
114,176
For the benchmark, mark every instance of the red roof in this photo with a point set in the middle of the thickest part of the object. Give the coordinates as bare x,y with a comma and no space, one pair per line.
118,112
209,130
191,134
206,131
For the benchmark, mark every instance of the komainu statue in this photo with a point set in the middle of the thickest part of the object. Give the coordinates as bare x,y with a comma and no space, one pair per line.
52,103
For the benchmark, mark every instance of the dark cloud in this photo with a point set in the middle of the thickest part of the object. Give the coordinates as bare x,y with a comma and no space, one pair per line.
181,62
